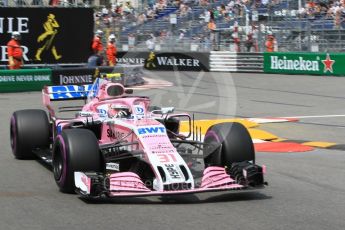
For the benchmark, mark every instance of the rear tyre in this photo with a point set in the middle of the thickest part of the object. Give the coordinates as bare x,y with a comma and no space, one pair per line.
74,150
29,130
229,143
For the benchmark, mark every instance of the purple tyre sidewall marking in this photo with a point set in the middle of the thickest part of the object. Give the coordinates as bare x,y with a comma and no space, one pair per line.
64,156
13,132
213,134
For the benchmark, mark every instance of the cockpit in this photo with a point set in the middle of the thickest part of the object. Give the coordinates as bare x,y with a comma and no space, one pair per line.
111,100
119,111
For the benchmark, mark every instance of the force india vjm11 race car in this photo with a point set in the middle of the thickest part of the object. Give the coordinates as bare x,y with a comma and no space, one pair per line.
119,145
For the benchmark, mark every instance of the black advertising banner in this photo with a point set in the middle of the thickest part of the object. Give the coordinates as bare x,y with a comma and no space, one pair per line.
166,61
48,35
78,76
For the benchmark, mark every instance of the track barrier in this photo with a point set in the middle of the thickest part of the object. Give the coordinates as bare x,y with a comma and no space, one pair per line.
131,65
236,62
24,80
305,63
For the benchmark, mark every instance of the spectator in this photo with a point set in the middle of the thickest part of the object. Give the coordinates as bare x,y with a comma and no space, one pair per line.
236,37
105,12
131,40
249,41
160,6
207,16
255,33
127,8
141,19
212,28
111,50
150,14
15,52
118,9
163,36
151,42
181,35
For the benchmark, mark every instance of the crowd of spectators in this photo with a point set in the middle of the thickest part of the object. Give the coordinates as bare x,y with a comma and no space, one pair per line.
324,9
125,16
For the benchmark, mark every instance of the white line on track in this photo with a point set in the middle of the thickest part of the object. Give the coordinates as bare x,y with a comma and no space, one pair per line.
315,116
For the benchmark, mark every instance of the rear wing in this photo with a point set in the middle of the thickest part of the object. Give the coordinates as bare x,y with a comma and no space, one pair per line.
78,92
66,92
74,92
63,93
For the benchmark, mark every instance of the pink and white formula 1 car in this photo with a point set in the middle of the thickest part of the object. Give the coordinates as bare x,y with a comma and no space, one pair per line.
117,145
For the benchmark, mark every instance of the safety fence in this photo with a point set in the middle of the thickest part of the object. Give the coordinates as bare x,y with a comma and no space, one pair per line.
131,65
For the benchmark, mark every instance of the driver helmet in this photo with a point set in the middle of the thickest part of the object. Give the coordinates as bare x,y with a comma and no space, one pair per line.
119,111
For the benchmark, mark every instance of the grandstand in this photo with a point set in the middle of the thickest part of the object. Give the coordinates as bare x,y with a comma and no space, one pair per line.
296,28
303,25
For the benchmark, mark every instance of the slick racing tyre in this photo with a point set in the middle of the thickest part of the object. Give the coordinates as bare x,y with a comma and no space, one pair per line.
74,150
29,130
228,143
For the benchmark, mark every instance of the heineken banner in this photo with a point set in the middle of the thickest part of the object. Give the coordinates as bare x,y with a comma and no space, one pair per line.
49,35
305,63
24,80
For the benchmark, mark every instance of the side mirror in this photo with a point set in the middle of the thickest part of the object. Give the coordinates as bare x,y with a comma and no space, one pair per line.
166,110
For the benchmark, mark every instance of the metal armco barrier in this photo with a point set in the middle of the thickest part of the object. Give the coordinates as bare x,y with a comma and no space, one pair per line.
236,62
305,63
24,80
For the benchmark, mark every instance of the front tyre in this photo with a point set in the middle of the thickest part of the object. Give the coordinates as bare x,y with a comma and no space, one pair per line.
229,142
74,150
229,145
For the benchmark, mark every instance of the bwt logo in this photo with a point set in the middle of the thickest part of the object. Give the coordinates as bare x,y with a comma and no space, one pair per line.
151,130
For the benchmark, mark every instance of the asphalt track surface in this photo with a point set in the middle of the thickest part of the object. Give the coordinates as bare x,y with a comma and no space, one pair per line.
306,190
